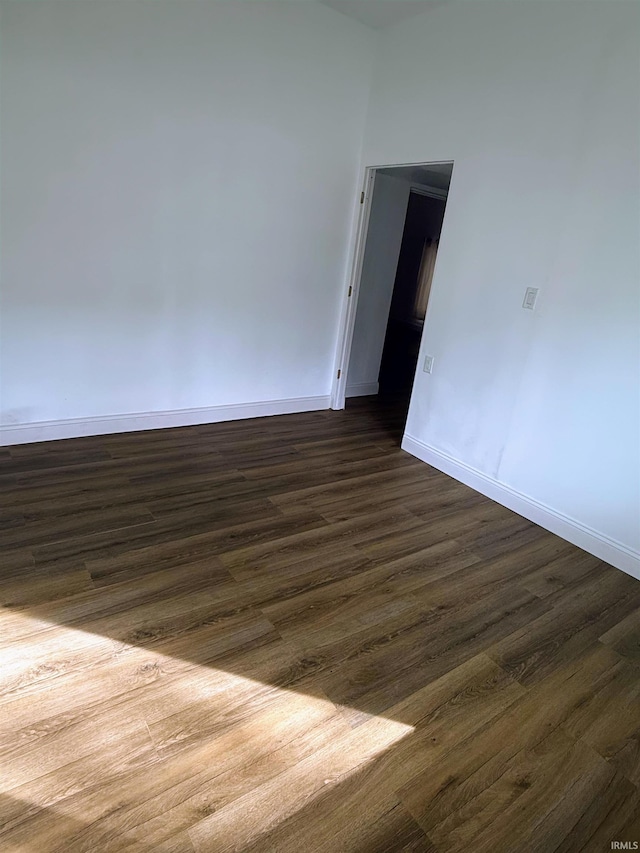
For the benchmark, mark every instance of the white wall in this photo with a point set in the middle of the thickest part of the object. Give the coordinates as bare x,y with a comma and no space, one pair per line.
178,181
538,104
384,239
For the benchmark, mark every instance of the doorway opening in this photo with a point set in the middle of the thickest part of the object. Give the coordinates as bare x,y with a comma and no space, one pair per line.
398,237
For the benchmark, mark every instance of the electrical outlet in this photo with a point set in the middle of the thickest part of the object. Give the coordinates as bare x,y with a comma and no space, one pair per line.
428,364
530,296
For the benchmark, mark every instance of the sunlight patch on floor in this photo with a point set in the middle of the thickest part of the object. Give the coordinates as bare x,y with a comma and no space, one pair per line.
77,708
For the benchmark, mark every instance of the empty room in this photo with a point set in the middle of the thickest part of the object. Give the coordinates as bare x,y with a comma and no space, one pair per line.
319,426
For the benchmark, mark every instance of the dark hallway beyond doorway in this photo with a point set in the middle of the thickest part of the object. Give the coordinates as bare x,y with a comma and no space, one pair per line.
410,294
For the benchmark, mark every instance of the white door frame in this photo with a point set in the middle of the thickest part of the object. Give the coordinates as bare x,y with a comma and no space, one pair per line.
348,317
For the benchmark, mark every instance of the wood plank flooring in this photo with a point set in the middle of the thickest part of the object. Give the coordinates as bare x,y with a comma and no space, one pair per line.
286,634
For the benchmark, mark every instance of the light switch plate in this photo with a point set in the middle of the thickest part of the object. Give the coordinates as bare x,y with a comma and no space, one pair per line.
428,364
530,296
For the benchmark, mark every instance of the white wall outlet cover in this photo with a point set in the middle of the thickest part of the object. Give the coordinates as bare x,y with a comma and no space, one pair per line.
428,364
530,296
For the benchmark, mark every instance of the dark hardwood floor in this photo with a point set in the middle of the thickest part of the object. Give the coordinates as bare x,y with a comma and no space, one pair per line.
288,635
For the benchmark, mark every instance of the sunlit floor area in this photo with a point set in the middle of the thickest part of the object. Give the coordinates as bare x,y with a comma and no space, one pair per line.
289,635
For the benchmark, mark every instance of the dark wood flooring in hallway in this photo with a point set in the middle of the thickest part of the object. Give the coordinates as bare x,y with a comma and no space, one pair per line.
288,635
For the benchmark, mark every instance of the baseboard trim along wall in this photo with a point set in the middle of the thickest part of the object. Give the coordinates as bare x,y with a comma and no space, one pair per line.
77,427
361,389
567,528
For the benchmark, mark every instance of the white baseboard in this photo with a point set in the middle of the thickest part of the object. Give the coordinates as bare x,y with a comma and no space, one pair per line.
362,389
77,427
568,528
